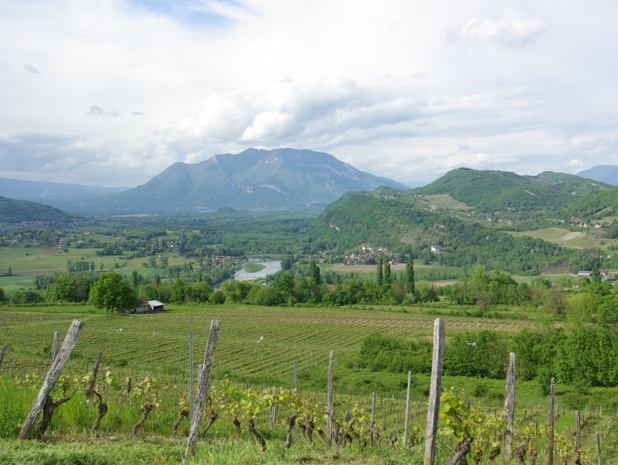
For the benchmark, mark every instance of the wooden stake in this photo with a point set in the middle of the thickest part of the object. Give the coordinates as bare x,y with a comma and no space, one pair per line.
329,419
550,439
52,377
509,409
3,353
599,460
55,345
434,391
191,381
202,389
405,423
578,430
373,417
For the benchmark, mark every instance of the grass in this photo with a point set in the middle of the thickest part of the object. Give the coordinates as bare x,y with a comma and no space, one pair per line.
443,202
157,345
565,238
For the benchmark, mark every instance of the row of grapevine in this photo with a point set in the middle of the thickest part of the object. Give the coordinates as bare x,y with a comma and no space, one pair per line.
464,431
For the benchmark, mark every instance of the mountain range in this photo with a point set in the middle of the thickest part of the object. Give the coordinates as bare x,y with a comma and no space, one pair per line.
252,180
299,179
603,173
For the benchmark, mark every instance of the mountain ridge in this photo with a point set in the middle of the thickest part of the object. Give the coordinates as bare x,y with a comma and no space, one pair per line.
603,173
254,179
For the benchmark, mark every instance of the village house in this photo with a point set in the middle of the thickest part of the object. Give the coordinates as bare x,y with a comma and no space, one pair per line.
437,249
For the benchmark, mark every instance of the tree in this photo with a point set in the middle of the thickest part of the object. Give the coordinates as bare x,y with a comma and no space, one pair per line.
388,278
69,288
286,263
596,275
485,299
111,293
410,277
555,301
134,279
380,272
180,290
314,272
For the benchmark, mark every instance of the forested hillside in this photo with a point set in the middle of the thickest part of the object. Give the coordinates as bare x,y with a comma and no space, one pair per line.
15,211
394,219
491,191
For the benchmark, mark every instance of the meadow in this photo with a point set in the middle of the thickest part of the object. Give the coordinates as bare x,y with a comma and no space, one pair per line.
257,349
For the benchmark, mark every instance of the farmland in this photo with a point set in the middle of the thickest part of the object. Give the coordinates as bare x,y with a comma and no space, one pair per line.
258,347
255,343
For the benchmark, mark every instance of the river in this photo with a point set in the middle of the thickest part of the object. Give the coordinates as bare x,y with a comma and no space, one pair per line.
271,267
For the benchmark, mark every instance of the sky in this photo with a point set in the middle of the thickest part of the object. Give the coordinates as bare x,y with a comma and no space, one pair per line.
112,92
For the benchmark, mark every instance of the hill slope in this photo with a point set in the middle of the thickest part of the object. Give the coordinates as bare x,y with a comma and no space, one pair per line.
16,211
253,179
491,191
400,221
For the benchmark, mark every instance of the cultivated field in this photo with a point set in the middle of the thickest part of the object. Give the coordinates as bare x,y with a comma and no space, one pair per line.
257,346
565,238
255,343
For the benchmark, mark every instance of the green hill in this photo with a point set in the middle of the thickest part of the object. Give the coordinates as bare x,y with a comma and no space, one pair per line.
470,212
500,191
16,211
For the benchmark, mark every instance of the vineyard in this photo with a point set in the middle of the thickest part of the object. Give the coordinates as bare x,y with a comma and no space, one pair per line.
253,414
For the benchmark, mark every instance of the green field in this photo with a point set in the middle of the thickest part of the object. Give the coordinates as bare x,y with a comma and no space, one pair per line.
255,343
443,201
256,347
565,238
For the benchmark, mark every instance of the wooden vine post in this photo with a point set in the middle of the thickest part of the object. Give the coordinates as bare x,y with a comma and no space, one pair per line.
405,423
434,391
550,439
578,430
202,388
55,345
329,419
52,377
509,409
3,353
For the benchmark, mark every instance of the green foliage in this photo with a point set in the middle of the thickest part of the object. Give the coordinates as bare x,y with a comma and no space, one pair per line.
111,293
383,353
589,355
398,222
68,288
482,354
491,191
536,352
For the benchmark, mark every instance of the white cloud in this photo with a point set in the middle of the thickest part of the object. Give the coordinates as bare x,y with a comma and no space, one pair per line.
96,110
377,85
512,30
29,68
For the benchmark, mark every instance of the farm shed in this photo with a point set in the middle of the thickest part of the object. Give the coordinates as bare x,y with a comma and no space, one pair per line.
144,306
156,306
